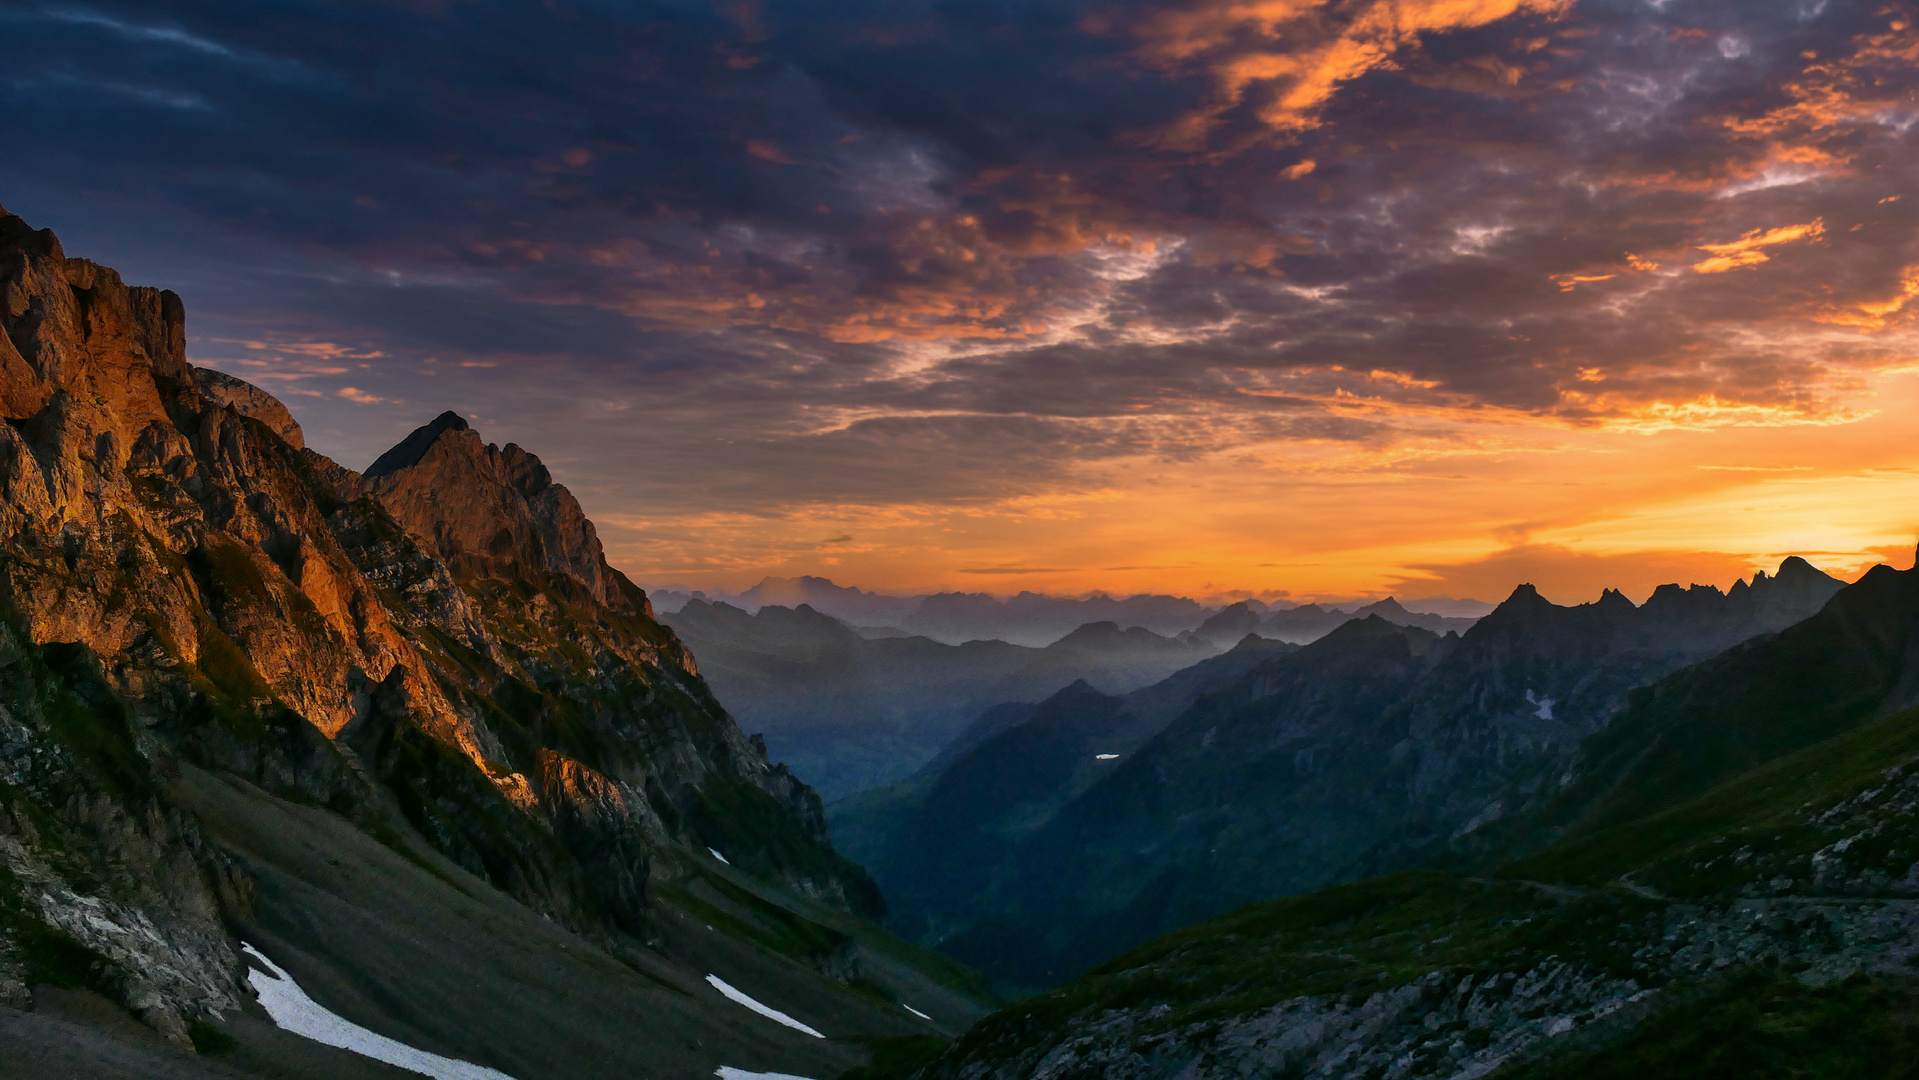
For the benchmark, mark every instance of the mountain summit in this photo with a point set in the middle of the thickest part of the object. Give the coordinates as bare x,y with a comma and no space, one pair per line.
493,512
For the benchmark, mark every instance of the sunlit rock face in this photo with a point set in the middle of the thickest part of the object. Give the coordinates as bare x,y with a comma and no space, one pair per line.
485,510
446,626
249,400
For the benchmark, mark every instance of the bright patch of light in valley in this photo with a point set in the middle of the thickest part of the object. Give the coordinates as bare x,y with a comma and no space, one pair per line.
292,1010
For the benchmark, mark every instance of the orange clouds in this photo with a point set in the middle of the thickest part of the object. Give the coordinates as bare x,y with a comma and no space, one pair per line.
1295,54
1875,314
1748,249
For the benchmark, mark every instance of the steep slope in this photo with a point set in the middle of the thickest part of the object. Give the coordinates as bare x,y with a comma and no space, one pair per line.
935,841
1855,659
1374,748
435,658
851,712
1754,928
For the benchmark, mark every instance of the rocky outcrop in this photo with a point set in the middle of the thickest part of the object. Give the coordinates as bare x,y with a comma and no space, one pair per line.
250,401
489,512
446,629
1459,1025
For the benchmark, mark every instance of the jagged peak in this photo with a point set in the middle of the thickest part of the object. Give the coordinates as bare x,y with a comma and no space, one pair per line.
1613,598
1372,626
1525,593
1799,569
488,510
410,450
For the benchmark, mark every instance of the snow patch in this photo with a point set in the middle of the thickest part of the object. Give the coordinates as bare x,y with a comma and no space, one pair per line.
914,1011
764,1010
1545,711
722,858
728,1072
1104,757
292,1010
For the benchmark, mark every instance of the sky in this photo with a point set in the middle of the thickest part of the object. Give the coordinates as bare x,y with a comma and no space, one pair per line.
1271,298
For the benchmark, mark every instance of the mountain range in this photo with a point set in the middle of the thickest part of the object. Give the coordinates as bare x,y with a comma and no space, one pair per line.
850,711
1036,620
1721,882
1085,827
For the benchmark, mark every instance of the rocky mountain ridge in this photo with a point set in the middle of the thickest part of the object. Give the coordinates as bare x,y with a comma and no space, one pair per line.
437,645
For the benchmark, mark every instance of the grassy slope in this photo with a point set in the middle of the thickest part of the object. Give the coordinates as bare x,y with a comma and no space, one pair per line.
1580,900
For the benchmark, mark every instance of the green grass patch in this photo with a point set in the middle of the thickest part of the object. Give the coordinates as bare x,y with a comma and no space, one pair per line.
764,923
762,837
1350,939
210,1041
1690,850
897,1056
95,729
1759,1027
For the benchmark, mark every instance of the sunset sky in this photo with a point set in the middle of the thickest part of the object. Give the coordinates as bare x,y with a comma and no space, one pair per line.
1216,297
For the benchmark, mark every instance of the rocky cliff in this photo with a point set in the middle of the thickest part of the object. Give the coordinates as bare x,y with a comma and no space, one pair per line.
440,639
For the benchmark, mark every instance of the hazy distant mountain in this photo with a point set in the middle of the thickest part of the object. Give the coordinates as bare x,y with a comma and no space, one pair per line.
1031,619
848,710
1369,749
856,606
955,824
1034,619
1228,625
1310,621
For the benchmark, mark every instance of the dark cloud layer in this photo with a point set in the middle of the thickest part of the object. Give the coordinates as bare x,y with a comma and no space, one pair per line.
733,256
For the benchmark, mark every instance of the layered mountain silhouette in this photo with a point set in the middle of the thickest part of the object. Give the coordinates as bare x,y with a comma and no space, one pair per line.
1377,746
406,731
849,711
1722,880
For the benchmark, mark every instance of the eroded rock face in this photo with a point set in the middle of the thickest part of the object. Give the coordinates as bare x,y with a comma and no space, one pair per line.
447,626
249,400
493,512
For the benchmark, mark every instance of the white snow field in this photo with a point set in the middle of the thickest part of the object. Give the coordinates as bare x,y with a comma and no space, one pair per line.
728,1072
294,1011
914,1011
722,858
764,1010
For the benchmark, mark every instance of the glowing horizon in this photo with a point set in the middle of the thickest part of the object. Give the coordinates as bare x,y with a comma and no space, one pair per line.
1204,297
